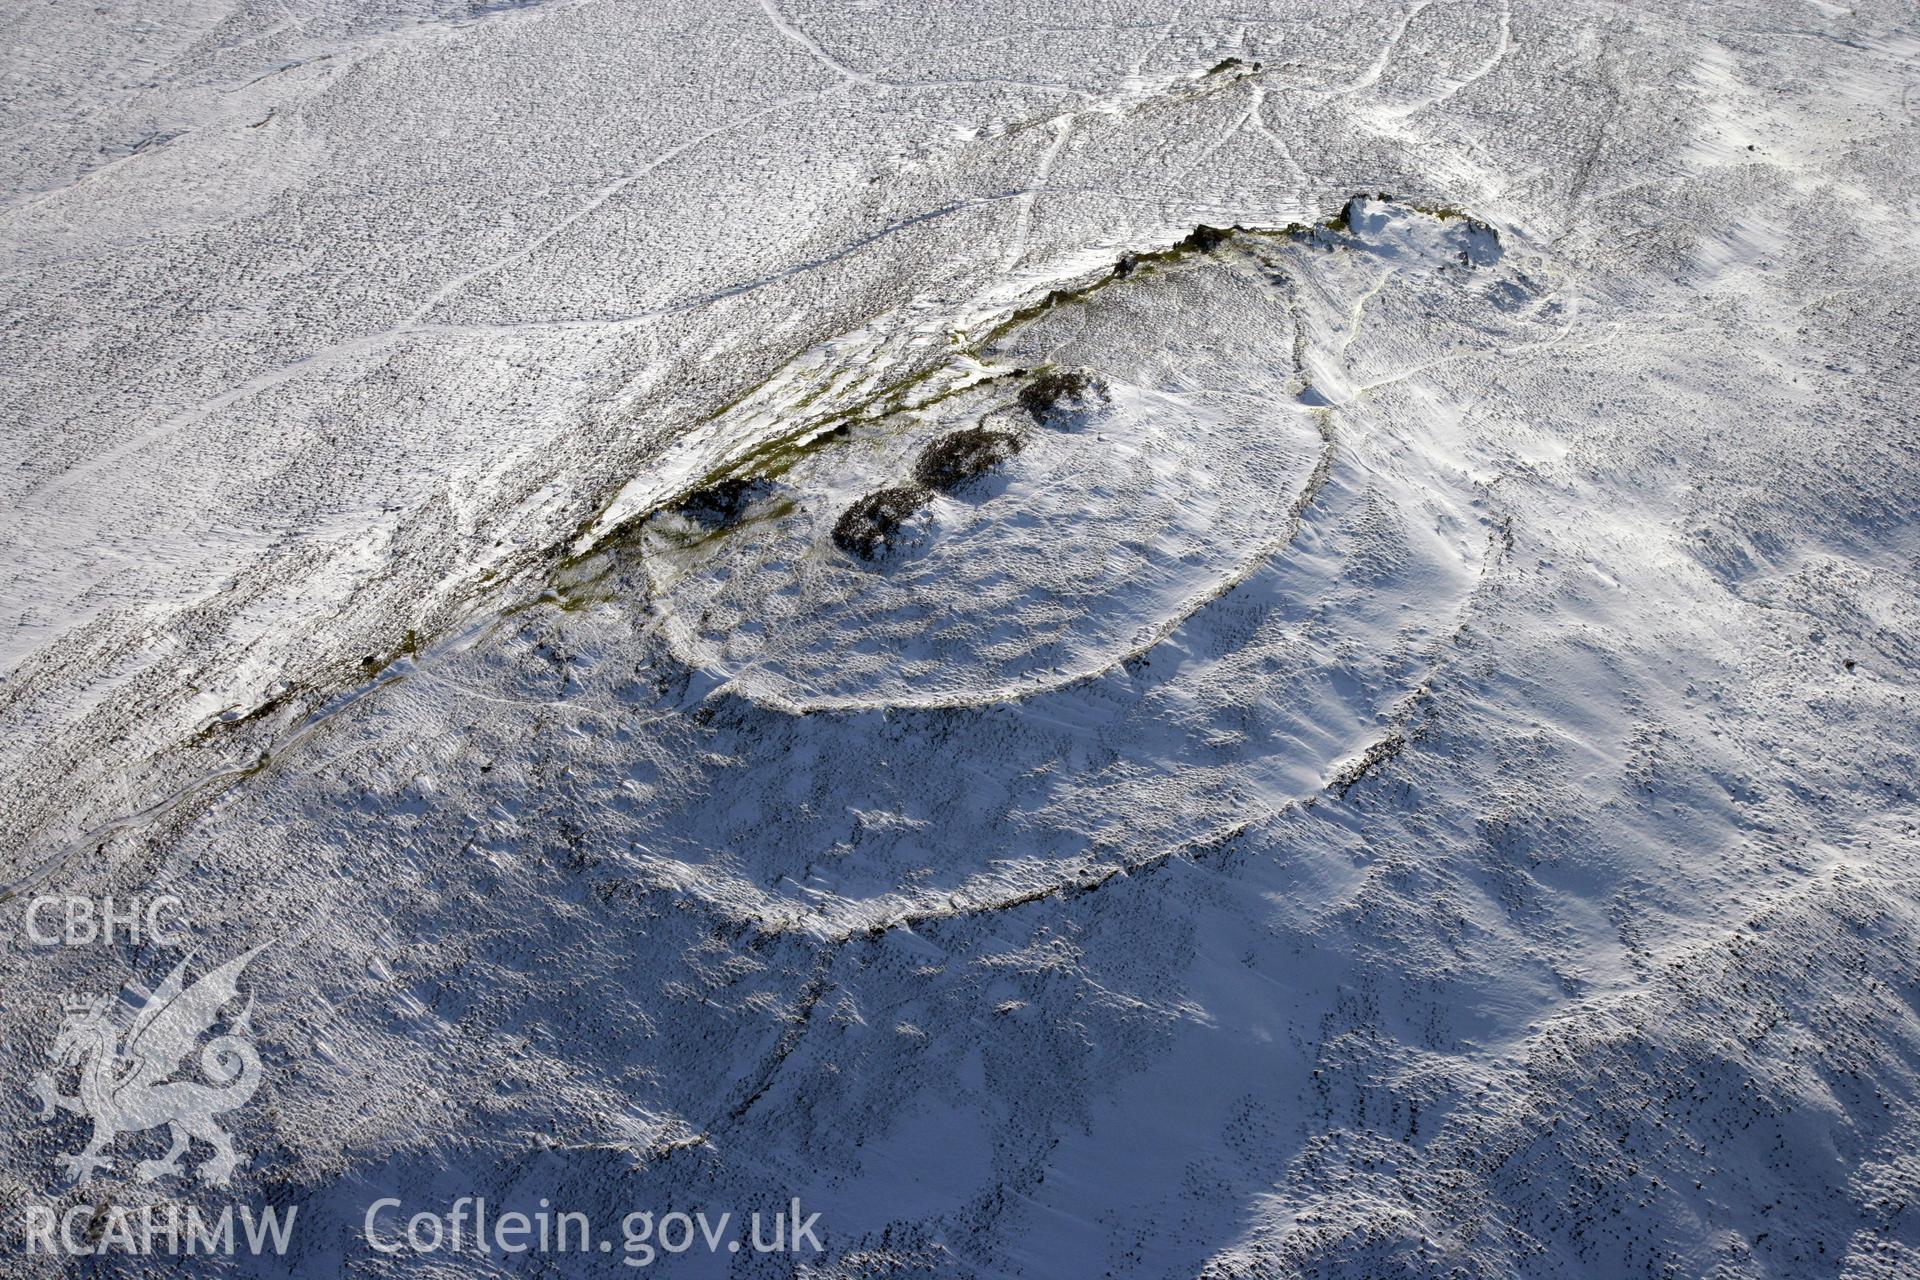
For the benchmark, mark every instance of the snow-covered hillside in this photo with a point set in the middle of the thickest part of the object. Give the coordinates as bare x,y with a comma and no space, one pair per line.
1097,639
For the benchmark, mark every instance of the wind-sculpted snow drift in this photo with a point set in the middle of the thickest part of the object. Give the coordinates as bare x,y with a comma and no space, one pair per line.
932,615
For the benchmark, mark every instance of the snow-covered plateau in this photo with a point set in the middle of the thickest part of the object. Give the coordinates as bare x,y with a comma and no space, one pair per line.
1067,640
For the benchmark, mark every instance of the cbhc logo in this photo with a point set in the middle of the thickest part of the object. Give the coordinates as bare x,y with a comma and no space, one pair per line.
77,922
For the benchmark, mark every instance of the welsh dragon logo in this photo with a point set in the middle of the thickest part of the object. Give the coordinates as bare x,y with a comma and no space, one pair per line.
126,1083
